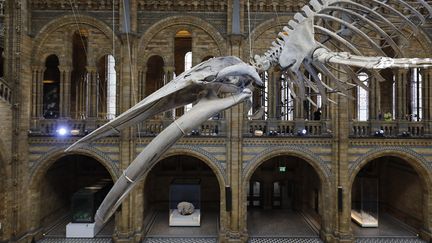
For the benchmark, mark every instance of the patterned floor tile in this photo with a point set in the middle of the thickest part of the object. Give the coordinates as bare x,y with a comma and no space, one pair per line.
389,240
180,240
77,240
285,240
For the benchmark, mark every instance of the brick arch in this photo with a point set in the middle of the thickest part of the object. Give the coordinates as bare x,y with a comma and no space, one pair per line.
261,28
419,163
43,164
202,155
318,165
65,21
148,55
422,167
196,22
297,151
211,162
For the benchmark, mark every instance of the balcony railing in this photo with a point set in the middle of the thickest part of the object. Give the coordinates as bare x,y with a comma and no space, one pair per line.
389,129
5,91
288,128
54,127
253,128
208,128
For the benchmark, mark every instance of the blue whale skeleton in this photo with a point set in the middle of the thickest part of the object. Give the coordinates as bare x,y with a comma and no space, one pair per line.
337,38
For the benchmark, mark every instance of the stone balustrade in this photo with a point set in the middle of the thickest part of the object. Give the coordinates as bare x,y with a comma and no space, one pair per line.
288,128
208,128
390,129
358,129
50,127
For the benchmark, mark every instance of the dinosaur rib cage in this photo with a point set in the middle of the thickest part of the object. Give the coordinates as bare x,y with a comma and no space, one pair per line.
371,28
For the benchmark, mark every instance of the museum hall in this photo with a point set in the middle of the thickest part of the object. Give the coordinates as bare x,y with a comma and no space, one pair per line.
329,146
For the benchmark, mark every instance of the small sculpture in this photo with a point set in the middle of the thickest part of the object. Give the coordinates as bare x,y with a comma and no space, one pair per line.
185,208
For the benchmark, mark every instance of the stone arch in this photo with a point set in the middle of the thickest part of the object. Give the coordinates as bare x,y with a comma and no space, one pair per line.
422,167
318,165
37,175
261,28
211,162
200,154
148,55
182,20
68,20
46,162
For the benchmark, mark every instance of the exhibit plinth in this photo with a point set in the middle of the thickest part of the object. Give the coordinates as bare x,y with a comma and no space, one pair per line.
364,219
185,202
82,230
176,219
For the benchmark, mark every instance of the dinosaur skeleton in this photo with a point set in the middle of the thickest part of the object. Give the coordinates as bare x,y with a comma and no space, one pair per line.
307,41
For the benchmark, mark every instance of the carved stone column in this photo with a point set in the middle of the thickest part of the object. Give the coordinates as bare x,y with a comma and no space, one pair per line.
92,92
169,75
40,94
65,85
427,99
35,91
142,76
401,79
273,96
374,98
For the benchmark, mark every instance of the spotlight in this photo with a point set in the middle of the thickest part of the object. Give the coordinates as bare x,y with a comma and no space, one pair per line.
195,132
379,133
273,133
302,132
62,131
405,134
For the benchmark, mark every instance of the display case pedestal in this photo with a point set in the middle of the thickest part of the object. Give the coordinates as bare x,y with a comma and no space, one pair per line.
176,219
82,230
365,220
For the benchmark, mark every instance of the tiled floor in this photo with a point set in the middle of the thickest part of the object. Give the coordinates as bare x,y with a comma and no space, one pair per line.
57,233
77,240
208,228
180,240
389,240
388,226
285,240
278,223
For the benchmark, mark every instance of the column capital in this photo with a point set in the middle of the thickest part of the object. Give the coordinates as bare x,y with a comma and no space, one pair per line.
65,68
169,68
91,69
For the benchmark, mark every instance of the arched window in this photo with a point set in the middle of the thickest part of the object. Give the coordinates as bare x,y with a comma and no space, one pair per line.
187,66
287,101
363,99
155,74
416,95
51,88
106,87
182,46
259,108
79,97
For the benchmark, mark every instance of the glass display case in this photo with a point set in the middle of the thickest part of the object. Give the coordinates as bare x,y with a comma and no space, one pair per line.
86,201
365,207
188,193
